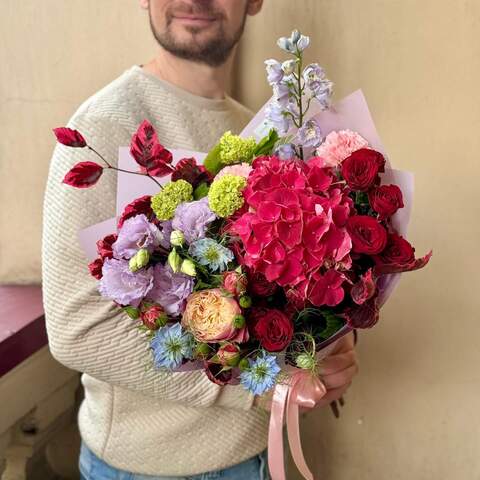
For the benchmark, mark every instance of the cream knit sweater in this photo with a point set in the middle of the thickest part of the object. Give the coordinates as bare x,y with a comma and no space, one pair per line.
136,419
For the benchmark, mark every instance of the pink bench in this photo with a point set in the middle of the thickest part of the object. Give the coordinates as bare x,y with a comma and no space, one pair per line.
22,325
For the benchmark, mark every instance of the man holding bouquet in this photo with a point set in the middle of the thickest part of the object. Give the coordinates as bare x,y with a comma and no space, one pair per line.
134,422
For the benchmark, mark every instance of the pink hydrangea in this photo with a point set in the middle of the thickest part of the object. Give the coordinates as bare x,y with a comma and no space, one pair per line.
340,145
239,169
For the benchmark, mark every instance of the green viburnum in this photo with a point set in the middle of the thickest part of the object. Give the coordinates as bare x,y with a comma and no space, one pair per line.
225,194
234,149
166,201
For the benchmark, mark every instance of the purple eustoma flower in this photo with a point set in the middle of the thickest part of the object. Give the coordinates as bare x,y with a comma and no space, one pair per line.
170,289
136,233
123,286
193,218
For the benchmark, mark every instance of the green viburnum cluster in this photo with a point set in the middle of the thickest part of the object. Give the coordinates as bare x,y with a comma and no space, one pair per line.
225,195
234,149
166,201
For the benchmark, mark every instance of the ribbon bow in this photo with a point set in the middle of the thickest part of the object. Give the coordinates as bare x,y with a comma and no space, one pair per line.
303,390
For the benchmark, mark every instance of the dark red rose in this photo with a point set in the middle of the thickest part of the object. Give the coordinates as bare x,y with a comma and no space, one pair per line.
138,206
363,316
386,200
216,375
188,170
360,170
272,328
367,234
104,246
83,175
69,137
259,286
95,268
147,151
398,256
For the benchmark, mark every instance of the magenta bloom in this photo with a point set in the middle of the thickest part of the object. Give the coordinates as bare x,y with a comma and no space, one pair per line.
170,289
136,233
123,286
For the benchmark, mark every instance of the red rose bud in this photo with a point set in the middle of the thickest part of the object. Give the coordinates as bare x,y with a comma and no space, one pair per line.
235,283
272,328
398,256
104,246
386,200
152,157
216,373
138,206
259,286
69,137
364,289
229,355
367,235
83,175
153,317
95,268
360,170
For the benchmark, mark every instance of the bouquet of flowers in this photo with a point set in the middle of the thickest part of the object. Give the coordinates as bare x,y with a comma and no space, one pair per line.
250,263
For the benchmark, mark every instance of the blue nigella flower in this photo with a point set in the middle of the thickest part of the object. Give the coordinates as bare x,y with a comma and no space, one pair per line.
209,252
261,374
171,345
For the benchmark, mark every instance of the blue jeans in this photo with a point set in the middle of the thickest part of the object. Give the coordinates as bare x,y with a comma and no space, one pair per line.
94,468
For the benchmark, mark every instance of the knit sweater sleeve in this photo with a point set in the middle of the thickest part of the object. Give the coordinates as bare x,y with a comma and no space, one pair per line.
87,332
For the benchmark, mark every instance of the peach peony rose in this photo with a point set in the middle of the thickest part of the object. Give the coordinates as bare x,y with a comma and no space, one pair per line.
209,316
340,145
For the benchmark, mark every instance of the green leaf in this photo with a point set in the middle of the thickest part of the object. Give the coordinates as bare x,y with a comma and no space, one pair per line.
132,312
212,161
265,145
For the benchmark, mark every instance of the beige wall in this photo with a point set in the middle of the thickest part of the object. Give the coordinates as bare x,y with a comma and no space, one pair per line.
413,412
53,55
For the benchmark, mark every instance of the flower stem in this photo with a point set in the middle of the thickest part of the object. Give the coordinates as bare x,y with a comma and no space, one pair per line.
121,169
300,94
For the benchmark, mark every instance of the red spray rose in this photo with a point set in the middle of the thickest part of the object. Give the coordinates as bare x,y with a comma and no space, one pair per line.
104,246
138,206
272,328
151,314
234,282
259,286
360,170
367,235
95,268
386,200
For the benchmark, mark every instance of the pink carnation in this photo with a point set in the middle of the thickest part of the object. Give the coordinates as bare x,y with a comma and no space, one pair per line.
239,169
340,145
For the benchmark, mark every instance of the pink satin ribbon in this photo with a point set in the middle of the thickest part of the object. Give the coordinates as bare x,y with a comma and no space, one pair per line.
303,390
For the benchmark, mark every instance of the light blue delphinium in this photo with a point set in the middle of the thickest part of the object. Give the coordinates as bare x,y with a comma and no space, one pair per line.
260,376
170,346
209,252
310,134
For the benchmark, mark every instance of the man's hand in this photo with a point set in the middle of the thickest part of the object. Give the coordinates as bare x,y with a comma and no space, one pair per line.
336,372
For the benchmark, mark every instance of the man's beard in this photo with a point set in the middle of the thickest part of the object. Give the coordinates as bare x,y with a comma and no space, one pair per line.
213,52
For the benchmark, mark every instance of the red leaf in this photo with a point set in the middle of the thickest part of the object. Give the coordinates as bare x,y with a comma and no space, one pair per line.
83,175
364,289
149,153
69,137
138,206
